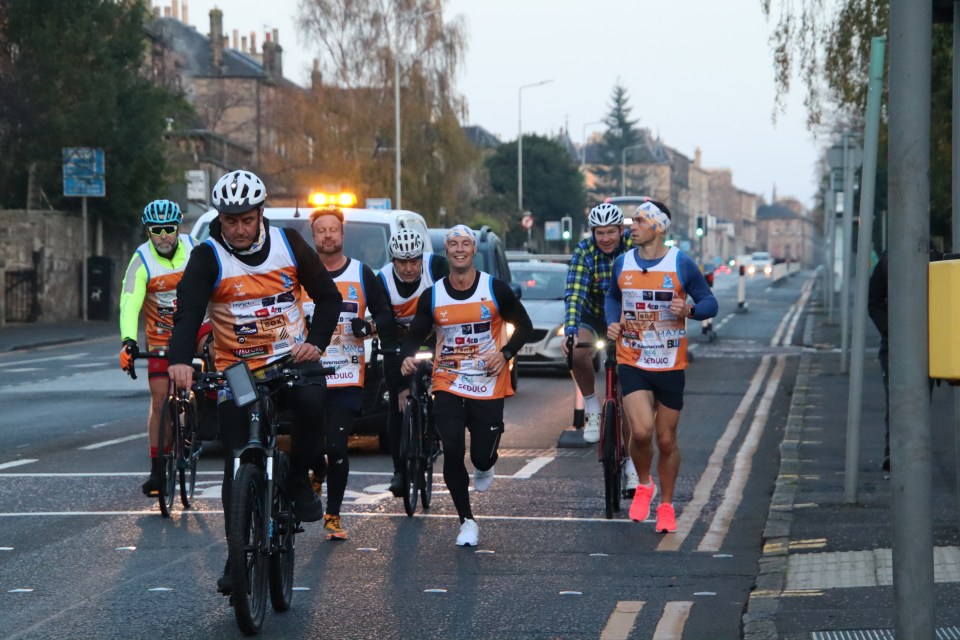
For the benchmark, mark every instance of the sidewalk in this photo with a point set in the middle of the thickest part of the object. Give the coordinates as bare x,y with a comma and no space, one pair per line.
14,337
826,568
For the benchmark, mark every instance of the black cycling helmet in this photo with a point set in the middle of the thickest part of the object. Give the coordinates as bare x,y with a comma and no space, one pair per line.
238,192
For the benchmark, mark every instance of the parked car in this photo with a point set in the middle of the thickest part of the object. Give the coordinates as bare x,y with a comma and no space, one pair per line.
760,262
543,284
366,236
491,258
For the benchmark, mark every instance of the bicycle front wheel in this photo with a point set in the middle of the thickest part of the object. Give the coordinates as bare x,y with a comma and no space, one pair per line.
167,452
248,549
284,533
431,452
609,449
190,447
410,444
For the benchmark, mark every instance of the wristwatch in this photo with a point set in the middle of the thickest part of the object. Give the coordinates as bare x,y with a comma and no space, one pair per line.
507,354
693,310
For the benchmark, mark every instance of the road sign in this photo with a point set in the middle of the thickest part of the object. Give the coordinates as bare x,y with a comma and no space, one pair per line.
83,172
526,222
378,203
551,230
197,189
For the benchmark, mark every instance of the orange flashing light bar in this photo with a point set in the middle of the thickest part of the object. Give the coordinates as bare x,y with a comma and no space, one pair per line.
344,199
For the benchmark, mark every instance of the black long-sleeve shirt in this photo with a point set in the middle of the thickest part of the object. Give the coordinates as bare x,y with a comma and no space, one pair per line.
201,273
509,305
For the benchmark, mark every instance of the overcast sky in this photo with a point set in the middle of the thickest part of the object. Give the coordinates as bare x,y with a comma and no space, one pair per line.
698,74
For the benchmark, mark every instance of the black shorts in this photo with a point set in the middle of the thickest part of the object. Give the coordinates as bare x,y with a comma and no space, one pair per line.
593,323
667,386
474,413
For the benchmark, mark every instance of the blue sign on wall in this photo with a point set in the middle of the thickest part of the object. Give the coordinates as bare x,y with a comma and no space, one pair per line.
83,172
378,203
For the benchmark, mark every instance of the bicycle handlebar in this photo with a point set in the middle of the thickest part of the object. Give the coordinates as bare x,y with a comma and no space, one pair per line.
161,354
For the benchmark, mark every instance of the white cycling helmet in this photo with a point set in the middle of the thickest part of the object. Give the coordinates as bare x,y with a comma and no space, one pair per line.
406,244
604,215
238,192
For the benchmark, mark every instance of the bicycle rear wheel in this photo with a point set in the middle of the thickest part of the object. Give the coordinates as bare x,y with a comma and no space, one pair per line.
609,458
431,452
284,533
410,445
248,549
167,452
190,447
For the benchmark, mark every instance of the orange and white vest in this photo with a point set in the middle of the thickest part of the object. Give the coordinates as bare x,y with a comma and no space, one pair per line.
256,311
467,332
405,308
345,352
161,296
651,337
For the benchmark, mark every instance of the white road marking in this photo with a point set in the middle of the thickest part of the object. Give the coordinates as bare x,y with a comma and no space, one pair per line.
674,618
17,463
86,365
107,443
742,465
23,370
701,494
434,590
160,589
571,593
301,588
775,340
621,621
111,474
531,468
20,591
802,303
72,356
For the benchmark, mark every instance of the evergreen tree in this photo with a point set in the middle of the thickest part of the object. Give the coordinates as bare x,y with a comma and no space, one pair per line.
70,77
620,134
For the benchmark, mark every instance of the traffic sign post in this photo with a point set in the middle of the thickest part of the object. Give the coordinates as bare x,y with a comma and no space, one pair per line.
83,177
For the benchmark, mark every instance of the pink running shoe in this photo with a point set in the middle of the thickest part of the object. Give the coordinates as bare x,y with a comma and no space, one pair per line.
640,507
666,519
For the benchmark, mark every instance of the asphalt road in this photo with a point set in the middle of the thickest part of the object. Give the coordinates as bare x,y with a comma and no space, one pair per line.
84,554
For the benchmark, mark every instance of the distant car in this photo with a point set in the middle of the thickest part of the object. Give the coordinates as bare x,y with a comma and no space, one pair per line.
760,262
543,285
366,234
722,269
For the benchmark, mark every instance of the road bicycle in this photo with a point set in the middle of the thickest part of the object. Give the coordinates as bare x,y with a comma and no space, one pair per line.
263,524
420,444
178,441
610,450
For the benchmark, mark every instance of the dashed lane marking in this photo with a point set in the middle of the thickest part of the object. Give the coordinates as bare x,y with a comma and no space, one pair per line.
72,356
17,463
530,469
673,621
622,620
107,443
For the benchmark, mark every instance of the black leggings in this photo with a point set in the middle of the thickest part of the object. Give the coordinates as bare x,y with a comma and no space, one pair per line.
336,432
484,419
307,402
394,425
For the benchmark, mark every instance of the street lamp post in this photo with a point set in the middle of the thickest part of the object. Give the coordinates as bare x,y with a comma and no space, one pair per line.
623,165
396,93
583,147
520,140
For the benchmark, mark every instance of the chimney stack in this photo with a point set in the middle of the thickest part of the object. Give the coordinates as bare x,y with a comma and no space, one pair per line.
175,10
253,42
216,40
316,78
236,39
184,12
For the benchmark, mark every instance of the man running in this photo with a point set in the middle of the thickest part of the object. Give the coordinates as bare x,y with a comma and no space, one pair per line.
471,378
648,300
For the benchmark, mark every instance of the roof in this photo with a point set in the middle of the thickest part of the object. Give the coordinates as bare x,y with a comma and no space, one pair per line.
480,137
775,212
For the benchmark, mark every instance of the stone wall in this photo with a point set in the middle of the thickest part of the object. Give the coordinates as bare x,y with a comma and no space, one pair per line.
53,241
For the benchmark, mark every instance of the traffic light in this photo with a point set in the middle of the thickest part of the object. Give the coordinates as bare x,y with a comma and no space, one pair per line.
701,226
566,227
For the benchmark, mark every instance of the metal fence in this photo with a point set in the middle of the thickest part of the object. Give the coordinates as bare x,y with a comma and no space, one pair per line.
21,300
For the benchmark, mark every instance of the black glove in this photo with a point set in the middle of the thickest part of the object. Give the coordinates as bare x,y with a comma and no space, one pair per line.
361,328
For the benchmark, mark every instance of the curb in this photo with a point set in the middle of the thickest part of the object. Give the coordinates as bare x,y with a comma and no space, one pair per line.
759,620
43,343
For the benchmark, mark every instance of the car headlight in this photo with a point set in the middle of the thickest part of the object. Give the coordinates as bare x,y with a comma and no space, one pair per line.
751,269
559,332
768,270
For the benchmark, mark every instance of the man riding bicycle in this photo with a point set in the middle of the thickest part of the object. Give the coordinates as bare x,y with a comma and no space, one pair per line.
150,285
250,274
409,273
647,303
469,310
587,281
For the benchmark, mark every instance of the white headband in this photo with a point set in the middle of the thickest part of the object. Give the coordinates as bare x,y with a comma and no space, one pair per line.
659,220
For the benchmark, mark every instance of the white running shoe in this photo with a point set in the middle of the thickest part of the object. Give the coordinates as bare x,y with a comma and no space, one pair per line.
482,480
591,427
469,534
631,479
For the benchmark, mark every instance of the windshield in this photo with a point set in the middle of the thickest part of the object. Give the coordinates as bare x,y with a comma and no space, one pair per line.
761,255
543,282
363,241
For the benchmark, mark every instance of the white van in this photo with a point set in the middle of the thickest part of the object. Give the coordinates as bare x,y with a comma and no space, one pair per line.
366,236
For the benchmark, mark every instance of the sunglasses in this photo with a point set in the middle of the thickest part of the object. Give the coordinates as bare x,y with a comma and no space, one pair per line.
164,230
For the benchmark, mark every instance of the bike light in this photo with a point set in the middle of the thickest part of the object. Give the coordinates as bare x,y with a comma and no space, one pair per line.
601,344
424,355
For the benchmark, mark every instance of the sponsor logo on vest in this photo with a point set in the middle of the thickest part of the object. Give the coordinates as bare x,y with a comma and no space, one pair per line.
352,292
484,312
250,352
286,296
663,296
481,327
237,305
245,329
283,345
472,388
656,360
167,298
237,289
286,280
293,315
272,323
262,313
343,375
269,300
667,282
648,295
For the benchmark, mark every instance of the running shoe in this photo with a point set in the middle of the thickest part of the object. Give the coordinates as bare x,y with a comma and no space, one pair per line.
666,518
306,505
640,507
151,488
396,485
225,582
591,427
482,479
331,525
469,535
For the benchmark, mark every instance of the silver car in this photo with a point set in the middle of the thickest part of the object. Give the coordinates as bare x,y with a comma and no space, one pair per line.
543,285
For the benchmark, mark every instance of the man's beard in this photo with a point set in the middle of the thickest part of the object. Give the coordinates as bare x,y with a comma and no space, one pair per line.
337,248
